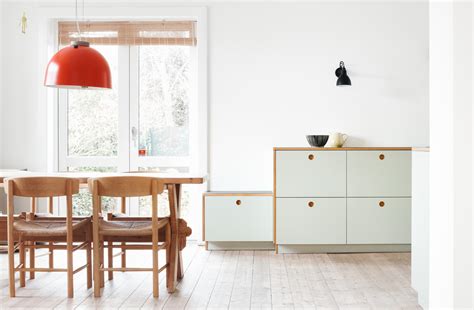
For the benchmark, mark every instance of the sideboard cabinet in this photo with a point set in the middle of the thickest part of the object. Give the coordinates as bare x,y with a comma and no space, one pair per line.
342,200
238,220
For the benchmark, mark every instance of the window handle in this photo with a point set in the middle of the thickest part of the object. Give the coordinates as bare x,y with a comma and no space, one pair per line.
134,136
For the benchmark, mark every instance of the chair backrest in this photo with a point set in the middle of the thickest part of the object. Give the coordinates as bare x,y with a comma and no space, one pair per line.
125,186
40,187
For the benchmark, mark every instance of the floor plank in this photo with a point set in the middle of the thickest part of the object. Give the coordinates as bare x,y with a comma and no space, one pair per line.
220,297
234,280
279,283
242,288
186,286
203,290
261,294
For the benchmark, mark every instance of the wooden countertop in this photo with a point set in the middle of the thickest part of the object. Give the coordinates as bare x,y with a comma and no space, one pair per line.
342,148
238,193
421,149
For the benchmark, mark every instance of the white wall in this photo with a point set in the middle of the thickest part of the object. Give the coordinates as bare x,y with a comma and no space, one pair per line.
271,82
1,85
23,141
451,169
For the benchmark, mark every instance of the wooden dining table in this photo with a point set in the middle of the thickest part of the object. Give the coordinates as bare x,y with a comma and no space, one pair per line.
173,183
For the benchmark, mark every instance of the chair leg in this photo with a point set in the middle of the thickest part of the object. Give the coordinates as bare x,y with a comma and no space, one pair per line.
123,256
51,255
168,243
32,259
70,271
155,263
22,263
96,264
110,259
89,265
11,267
102,273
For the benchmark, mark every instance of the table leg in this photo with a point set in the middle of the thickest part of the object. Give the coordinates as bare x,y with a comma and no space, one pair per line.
172,275
180,272
179,267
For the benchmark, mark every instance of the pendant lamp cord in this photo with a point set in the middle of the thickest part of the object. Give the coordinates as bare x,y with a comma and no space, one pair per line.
77,19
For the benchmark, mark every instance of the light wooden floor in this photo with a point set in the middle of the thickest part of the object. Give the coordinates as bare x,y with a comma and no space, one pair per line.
237,280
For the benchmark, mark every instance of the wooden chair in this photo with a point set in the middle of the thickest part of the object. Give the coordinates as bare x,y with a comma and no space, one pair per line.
128,231
31,250
26,230
123,215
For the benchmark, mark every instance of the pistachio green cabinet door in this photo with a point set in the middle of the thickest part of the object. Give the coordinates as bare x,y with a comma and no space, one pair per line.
311,220
238,218
379,220
310,174
379,173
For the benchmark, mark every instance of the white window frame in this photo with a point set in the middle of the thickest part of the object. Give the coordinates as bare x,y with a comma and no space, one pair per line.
164,161
121,160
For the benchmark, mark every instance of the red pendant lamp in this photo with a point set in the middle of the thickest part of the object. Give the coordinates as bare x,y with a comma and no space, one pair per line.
78,66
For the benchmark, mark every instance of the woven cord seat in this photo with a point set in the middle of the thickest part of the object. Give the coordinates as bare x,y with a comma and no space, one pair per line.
129,228
45,229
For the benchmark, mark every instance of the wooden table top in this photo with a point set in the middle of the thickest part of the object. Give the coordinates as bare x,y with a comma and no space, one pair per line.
168,178
345,148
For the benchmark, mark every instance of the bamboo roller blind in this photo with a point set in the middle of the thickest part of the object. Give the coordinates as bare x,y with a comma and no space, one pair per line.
130,32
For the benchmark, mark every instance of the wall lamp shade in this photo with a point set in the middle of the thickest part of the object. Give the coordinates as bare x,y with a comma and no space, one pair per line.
342,78
78,66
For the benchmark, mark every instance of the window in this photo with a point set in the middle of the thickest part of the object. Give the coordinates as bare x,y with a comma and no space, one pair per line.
145,122
92,116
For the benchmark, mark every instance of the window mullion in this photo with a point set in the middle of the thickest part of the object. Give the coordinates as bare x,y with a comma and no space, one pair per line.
63,129
134,122
124,107
134,106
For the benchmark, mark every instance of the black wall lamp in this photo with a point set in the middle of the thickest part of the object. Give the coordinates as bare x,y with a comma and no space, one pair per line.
342,78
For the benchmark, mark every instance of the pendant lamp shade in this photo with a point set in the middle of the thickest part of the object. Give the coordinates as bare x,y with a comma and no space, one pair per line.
78,66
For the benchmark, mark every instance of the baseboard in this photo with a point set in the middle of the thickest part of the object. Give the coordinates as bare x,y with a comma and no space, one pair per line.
343,248
238,245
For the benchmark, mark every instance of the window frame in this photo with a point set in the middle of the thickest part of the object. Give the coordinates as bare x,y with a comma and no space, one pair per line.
47,19
128,107
128,117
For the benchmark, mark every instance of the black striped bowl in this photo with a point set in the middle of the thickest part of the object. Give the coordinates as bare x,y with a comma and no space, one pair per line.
317,140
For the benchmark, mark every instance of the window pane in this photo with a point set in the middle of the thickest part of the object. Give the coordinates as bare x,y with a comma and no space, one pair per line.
93,115
82,202
164,100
